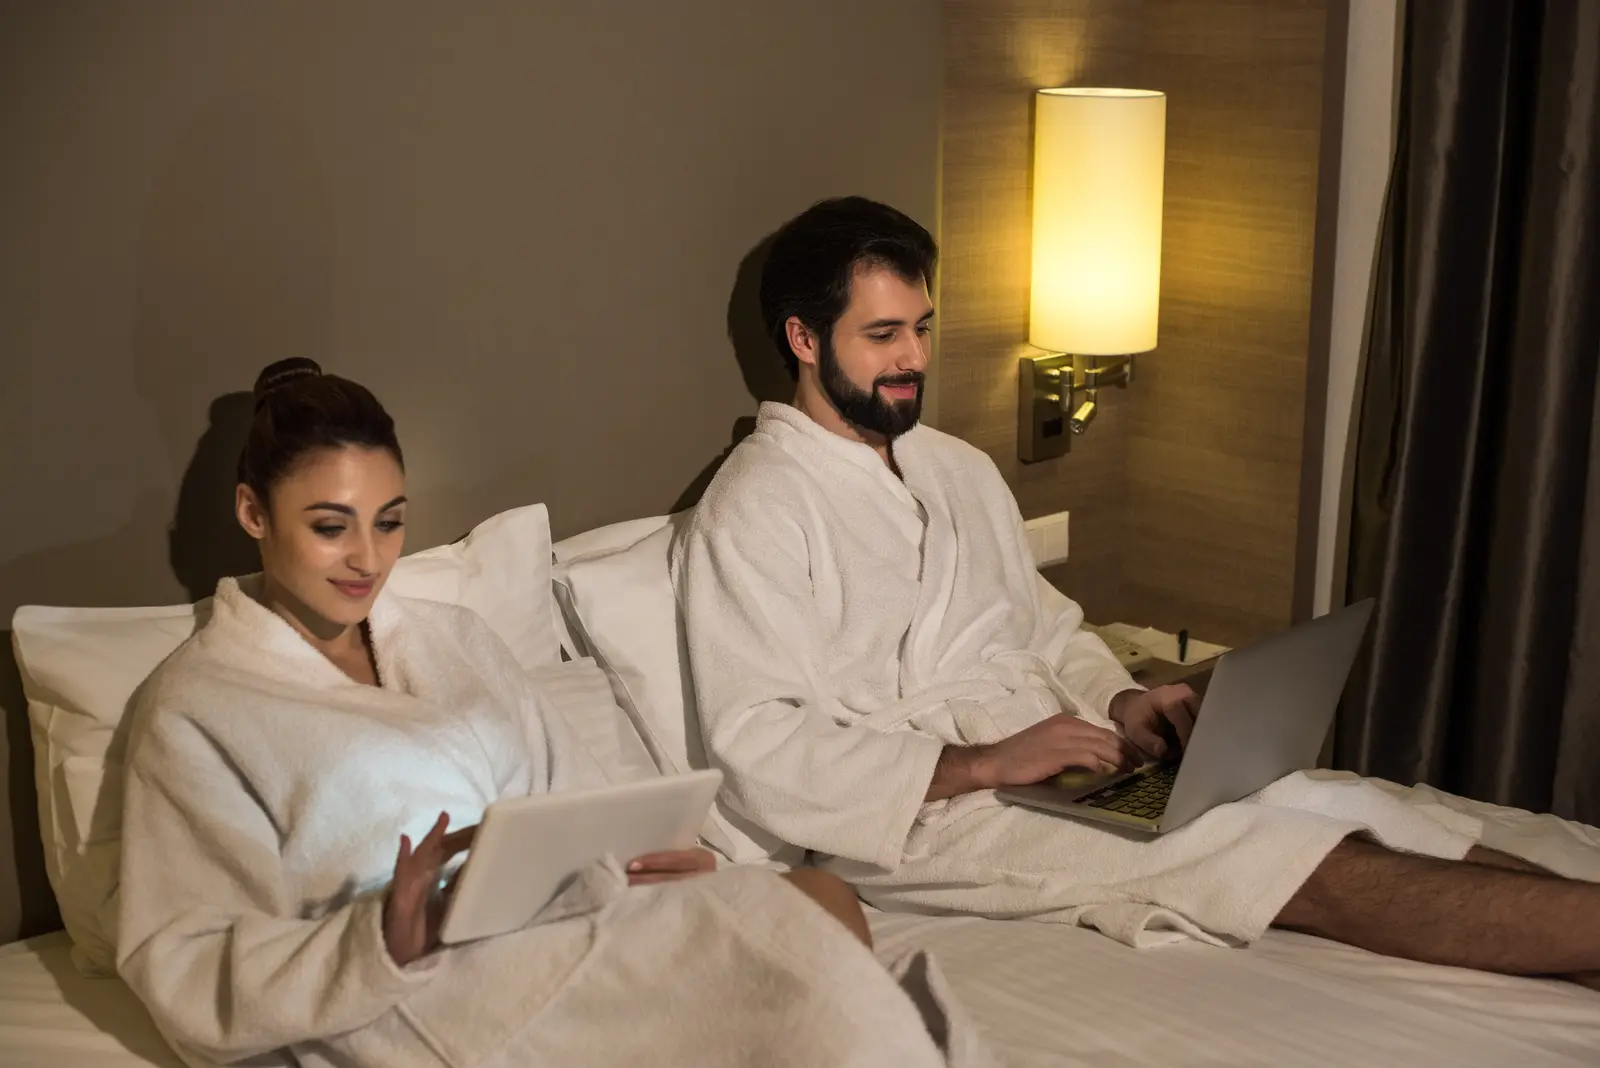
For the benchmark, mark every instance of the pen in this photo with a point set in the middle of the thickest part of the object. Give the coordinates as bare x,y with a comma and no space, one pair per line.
1183,646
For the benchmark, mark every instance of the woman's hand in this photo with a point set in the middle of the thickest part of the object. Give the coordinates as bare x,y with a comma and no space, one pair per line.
412,912
670,866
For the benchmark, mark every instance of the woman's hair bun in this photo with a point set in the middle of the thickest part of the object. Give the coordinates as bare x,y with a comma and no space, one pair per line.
300,410
279,374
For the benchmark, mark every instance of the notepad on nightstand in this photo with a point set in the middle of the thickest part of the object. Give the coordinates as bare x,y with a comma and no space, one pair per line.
1155,643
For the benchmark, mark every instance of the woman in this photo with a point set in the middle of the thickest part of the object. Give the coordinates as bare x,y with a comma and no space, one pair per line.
293,772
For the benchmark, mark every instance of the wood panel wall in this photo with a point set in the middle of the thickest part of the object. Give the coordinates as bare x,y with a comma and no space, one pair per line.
997,52
1187,493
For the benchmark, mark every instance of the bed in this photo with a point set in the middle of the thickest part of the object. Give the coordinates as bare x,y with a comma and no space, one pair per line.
1046,995
1050,995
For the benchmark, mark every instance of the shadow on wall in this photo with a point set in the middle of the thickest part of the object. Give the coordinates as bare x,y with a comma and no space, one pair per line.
765,376
205,542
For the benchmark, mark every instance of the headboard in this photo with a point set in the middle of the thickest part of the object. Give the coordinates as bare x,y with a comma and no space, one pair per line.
533,230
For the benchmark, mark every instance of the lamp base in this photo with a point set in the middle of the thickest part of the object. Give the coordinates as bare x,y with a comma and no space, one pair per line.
1057,397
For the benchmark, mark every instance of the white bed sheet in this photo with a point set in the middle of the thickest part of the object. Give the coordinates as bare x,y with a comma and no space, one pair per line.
1046,995
1052,995
53,1017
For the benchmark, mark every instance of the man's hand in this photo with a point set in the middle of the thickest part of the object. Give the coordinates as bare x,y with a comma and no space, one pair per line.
1143,713
1047,748
412,912
670,866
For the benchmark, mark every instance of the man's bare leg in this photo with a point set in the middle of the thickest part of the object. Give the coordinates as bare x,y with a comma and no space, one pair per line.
1493,858
1475,915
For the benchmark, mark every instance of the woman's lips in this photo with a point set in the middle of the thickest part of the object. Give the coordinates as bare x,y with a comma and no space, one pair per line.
353,590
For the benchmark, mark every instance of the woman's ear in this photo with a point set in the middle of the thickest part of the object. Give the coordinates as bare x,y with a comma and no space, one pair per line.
251,511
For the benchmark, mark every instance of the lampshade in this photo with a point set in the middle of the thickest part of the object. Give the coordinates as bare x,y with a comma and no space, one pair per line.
1098,163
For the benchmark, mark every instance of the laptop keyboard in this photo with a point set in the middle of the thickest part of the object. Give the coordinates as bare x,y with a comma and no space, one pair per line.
1143,795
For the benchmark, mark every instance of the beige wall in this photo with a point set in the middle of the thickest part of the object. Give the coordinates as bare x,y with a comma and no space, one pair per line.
520,223
1188,504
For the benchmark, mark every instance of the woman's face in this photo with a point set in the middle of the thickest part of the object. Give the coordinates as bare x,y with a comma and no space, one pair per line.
329,534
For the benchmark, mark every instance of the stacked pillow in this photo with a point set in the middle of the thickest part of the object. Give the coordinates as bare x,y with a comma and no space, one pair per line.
621,609
81,667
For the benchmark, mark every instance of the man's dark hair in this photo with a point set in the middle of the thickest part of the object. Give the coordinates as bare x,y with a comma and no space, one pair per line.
807,273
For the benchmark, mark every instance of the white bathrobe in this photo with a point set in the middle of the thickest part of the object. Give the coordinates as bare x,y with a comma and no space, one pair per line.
266,794
844,625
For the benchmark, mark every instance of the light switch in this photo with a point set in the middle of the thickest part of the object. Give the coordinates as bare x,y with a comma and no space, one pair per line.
1047,538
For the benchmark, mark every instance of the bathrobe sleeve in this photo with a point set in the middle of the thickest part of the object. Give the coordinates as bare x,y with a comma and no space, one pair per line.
209,940
792,765
1088,670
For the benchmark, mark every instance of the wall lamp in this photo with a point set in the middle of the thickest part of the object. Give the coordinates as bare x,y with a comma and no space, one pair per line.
1098,171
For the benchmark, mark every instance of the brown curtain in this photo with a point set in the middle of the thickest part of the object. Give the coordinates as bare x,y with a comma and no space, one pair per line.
1476,486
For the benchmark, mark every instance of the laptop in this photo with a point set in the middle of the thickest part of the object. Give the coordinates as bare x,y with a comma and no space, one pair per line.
1265,713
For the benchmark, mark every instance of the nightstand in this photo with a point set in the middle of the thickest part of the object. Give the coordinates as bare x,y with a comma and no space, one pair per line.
1196,674
1151,655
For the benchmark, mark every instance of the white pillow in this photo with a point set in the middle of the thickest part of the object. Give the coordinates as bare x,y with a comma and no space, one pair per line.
621,610
579,695
81,666
608,539
604,539
501,571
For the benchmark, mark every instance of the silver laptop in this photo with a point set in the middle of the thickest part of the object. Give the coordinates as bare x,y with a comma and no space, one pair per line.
1265,713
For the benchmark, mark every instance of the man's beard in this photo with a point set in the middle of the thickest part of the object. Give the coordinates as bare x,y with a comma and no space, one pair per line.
863,408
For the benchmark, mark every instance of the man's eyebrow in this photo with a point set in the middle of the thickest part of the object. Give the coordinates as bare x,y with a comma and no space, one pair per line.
878,324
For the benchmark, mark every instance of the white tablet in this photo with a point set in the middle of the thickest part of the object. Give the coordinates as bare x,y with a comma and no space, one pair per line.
528,849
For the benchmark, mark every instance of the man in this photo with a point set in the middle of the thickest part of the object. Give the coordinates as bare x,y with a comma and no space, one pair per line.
873,653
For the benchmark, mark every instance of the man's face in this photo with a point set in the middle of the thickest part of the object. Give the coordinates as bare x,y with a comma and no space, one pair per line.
872,367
